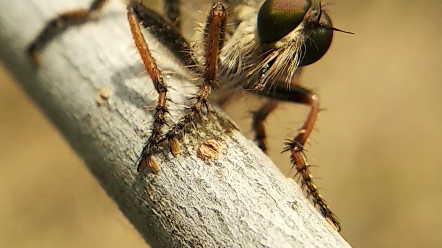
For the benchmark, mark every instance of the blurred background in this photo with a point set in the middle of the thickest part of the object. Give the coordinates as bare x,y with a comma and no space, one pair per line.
376,147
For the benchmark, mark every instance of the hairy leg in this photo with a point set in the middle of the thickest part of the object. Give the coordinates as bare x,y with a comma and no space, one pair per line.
137,14
213,41
298,94
134,16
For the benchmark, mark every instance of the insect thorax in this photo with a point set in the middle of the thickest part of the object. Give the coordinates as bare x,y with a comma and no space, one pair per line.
246,62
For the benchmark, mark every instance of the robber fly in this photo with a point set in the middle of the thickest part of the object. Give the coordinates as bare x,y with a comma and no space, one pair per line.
261,51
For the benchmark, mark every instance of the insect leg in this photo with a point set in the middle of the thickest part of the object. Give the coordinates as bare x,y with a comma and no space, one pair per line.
59,24
298,94
135,15
167,34
213,40
259,116
295,94
258,119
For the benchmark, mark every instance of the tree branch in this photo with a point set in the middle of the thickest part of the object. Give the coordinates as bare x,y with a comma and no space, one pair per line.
236,199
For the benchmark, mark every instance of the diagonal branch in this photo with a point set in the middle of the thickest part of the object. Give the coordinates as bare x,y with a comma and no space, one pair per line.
238,198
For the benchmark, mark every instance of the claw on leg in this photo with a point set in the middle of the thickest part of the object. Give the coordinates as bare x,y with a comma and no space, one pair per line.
134,15
213,40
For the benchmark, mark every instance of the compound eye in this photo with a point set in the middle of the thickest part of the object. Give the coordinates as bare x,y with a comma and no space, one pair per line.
277,18
319,41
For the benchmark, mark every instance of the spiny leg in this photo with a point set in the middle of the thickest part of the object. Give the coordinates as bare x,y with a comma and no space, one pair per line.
299,94
213,39
299,160
135,16
58,25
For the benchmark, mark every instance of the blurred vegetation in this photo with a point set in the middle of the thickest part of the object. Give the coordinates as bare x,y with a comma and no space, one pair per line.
377,145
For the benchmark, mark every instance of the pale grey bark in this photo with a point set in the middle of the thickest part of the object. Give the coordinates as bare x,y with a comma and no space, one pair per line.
238,199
